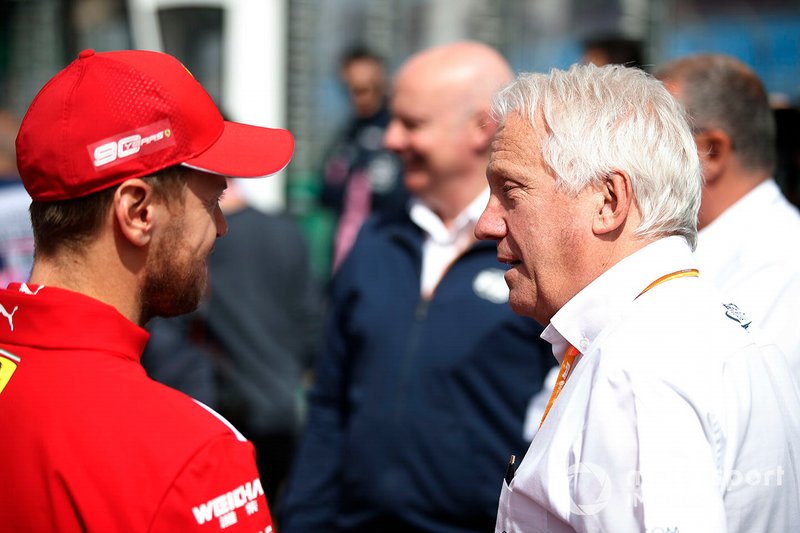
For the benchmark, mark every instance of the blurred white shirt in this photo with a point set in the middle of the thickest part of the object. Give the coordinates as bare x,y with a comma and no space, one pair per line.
443,245
752,253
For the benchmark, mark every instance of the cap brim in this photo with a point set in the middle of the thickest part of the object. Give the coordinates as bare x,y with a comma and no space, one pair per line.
245,151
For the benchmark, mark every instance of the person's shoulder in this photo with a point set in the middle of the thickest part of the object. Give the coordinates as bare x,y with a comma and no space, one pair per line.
380,239
385,229
774,243
681,326
182,416
388,222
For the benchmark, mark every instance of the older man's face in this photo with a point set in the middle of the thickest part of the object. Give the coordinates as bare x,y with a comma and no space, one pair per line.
539,230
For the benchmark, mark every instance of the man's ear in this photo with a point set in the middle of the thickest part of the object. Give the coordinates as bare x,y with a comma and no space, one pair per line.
714,147
134,211
483,128
614,199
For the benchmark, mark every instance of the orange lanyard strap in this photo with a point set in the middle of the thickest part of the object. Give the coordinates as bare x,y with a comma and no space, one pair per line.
688,273
568,363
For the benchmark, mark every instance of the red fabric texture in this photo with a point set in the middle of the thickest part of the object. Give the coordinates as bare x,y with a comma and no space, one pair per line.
90,443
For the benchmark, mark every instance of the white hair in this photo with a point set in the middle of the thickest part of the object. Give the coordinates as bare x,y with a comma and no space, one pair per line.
604,119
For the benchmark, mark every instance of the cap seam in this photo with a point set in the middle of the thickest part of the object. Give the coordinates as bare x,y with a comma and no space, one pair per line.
72,178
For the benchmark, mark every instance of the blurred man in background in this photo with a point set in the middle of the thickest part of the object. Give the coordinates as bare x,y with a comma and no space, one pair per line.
613,49
16,235
421,390
359,175
749,232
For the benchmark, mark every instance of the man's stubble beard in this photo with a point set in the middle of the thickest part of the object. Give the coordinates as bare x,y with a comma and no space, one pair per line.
174,282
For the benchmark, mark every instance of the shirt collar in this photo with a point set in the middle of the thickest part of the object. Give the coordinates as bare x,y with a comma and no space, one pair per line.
424,217
604,301
59,319
764,194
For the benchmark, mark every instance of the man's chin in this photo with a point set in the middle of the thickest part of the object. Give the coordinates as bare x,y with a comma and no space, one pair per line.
519,305
173,297
516,305
416,181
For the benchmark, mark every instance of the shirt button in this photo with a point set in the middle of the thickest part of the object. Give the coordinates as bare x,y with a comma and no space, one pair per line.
584,344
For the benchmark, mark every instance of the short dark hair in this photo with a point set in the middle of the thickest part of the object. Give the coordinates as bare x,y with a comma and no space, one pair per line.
719,91
360,52
71,224
619,50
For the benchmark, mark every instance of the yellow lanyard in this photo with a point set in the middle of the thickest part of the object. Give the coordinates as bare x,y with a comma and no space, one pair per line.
568,363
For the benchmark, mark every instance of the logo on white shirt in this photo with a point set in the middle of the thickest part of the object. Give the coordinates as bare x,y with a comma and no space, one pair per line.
734,313
590,481
490,285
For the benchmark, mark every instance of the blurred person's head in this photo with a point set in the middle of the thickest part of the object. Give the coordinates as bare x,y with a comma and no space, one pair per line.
364,75
732,122
8,156
787,173
441,126
589,165
125,157
613,50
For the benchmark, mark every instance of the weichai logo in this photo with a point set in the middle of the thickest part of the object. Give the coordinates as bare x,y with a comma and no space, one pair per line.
141,141
225,506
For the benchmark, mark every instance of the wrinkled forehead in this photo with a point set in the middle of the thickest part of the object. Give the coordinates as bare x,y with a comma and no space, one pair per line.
516,132
517,143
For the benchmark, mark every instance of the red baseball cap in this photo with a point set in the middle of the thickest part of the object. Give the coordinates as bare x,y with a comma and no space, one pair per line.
112,116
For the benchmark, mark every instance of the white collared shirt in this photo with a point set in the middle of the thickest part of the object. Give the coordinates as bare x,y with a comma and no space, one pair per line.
752,253
674,419
442,245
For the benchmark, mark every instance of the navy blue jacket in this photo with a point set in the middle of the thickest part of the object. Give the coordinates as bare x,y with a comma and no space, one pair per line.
417,403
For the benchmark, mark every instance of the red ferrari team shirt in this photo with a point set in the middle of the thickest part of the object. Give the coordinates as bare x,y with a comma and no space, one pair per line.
90,443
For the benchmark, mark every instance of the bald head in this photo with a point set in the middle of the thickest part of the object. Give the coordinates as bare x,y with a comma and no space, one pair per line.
441,122
470,71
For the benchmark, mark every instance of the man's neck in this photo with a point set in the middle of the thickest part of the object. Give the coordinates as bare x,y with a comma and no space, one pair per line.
450,206
104,282
723,193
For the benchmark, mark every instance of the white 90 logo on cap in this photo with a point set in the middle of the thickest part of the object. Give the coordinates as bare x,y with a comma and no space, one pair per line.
109,152
143,140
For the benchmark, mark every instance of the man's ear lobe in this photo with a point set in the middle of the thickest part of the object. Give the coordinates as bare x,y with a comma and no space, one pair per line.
484,130
133,210
615,196
714,147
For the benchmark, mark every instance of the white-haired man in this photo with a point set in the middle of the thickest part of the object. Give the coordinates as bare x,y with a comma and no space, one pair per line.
668,414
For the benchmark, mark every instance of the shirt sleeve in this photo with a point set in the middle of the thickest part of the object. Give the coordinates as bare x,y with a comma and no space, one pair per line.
218,489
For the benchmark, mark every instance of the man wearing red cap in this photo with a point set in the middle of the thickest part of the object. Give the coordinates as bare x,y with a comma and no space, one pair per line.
125,157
